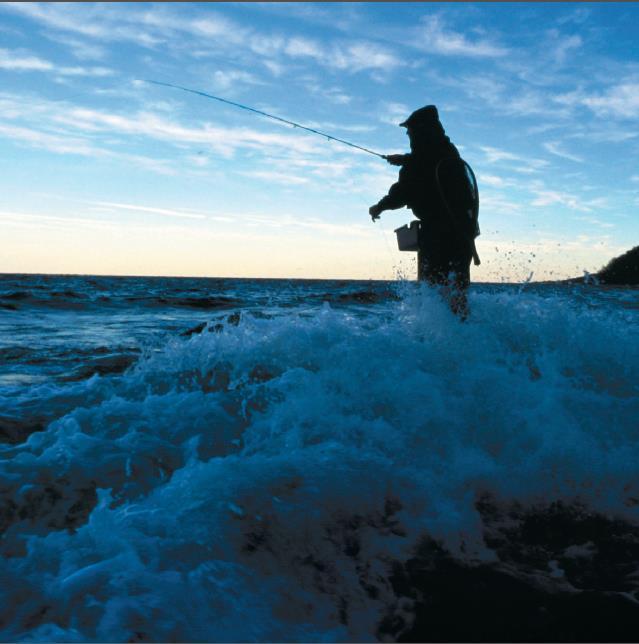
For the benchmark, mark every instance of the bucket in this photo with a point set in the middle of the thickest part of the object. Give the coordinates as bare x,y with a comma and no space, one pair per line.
408,236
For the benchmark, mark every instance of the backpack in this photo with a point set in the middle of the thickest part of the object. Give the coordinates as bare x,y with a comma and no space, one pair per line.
458,190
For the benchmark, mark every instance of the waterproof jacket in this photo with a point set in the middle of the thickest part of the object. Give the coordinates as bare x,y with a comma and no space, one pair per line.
417,186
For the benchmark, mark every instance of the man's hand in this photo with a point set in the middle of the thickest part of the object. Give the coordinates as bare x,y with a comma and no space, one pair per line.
395,159
375,211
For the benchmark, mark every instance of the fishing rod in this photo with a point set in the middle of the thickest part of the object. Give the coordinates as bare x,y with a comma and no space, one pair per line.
271,116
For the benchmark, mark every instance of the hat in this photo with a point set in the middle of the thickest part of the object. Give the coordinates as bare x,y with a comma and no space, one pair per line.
423,117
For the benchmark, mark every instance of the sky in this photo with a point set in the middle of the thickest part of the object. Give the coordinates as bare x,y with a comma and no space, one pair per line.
104,173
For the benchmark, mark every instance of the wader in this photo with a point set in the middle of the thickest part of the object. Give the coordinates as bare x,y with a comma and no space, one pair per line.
443,260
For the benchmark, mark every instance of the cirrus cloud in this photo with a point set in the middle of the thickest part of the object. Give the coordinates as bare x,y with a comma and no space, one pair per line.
436,37
21,61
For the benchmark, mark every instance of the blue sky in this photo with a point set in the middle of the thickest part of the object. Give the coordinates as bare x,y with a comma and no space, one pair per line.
102,173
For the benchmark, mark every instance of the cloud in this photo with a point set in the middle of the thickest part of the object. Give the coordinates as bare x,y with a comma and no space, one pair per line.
198,160
494,155
622,100
20,61
571,201
497,204
540,129
578,16
99,21
66,129
54,143
491,180
226,80
530,103
213,25
503,96
340,16
350,57
36,221
104,207
81,49
340,230
363,55
435,37
291,170
563,46
156,211
338,97
283,178
393,113
223,140
528,165
593,221
66,144
160,26
276,68
298,47
331,93
483,87
555,147
332,126
97,72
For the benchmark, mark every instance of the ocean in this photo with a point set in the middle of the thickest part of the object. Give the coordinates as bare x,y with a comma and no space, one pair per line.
186,459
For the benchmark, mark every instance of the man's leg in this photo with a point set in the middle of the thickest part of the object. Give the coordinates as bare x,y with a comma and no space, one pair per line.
430,270
456,287
447,266
452,277
430,265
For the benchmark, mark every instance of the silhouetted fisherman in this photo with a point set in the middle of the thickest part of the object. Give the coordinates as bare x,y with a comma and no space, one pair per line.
433,183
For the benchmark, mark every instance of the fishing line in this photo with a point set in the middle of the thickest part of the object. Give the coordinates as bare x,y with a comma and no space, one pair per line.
281,120
271,116
390,253
381,227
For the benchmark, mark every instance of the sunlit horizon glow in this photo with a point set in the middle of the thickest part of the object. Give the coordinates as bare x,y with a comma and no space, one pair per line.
106,174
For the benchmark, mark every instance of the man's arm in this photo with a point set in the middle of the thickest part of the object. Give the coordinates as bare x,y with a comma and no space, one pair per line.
396,159
397,197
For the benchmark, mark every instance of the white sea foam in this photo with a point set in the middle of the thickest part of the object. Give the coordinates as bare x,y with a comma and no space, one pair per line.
255,484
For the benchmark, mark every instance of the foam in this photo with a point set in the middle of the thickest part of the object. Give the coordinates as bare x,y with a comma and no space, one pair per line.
255,484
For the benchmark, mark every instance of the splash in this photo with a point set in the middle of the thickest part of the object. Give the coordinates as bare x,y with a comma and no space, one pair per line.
262,481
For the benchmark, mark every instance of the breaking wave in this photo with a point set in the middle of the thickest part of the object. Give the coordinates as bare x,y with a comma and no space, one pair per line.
274,479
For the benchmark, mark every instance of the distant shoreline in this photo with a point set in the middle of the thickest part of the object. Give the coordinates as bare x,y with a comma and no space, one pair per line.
592,279
619,271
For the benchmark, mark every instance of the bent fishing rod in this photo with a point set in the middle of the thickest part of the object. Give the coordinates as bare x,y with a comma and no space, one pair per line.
271,116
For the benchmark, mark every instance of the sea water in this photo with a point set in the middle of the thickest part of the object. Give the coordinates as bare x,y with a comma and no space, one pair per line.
255,460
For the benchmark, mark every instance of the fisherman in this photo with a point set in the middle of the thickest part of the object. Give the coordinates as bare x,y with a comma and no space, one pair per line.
434,185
